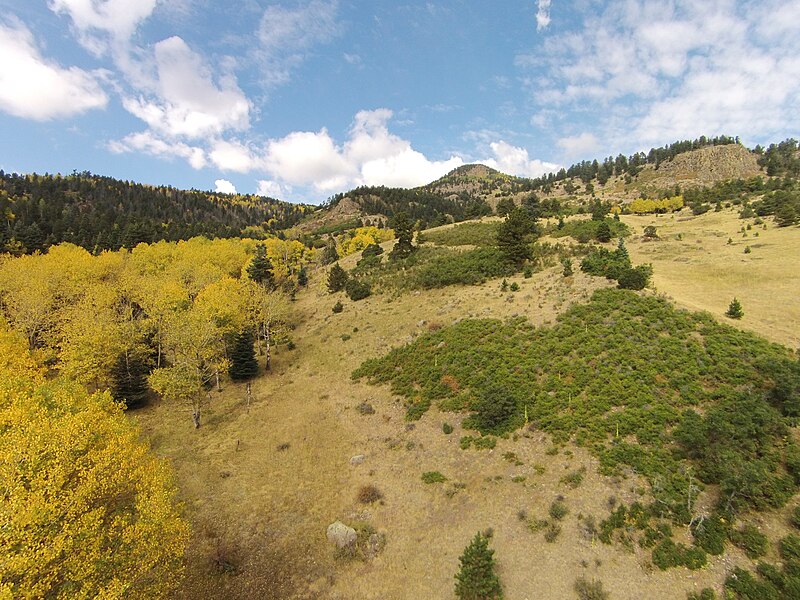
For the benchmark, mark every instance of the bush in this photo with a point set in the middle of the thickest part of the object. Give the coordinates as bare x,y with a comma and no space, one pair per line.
338,307
636,278
494,410
447,428
794,519
668,554
476,579
433,477
590,590
751,540
704,594
558,510
368,494
711,534
466,268
357,290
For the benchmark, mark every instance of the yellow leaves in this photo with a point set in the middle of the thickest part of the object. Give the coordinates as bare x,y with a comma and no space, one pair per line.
363,237
644,206
87,511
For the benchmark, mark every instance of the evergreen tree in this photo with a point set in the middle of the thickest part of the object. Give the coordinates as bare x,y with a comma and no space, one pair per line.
735,309
302,277
505,206
532,205
567,263
404,232
243,358
260,268
476,580
337,279
603,232
129,380
330,255
512,236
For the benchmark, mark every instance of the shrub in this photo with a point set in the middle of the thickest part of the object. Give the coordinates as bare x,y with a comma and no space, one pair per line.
552,532
574,478
795,518
751,540
357,290
476,579
433,477
494,410
368,494
590,590
636,278
338,307
704,594
558,509
466,268
669,554
514,287
447,428
711,534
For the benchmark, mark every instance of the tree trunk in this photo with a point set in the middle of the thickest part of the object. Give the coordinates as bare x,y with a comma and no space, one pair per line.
216,374
196,416
268,342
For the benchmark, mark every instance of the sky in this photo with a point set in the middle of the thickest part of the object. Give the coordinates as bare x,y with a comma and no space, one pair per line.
302,99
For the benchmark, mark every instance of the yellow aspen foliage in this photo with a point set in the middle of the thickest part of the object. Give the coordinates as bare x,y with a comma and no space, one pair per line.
363,237
286,256
86,511
643,206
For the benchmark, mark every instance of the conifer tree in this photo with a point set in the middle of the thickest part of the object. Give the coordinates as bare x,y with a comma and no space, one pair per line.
243,358
129,380
505,206
512,234
603,232
330,255
260,268
476,580
735,309
302,277
403,230
337,279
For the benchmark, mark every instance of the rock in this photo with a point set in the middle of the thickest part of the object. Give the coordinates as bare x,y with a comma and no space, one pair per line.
422,323
365,408
341,535
358,459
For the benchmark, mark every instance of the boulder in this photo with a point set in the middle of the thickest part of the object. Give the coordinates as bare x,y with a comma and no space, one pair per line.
341,535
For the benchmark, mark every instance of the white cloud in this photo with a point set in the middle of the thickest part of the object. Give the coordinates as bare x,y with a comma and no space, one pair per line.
579,145
287,35
273,189
32,87
233,156
543,15
148,143
516,161
651,71
189,103
223,186
95,20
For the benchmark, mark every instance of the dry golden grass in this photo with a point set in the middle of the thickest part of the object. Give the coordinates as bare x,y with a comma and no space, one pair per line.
260,487
702,271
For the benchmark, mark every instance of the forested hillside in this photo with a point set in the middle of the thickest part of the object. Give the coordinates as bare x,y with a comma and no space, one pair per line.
100,213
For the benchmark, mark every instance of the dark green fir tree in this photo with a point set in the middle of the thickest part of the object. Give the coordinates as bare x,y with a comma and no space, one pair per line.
260,268
243,358
735,309
404,232
302,277
337,279
129,380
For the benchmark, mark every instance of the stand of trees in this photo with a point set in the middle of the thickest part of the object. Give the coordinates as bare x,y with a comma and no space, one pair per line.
100,213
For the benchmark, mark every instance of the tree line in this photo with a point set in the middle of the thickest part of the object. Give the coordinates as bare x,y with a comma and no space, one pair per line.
101,213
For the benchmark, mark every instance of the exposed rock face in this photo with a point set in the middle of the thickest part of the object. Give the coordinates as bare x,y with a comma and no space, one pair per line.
708,165
341,535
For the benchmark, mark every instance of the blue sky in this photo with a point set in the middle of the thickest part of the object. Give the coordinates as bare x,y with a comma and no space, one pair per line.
303,99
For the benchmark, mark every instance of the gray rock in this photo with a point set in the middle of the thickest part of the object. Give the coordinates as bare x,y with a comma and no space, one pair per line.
357,459
341,535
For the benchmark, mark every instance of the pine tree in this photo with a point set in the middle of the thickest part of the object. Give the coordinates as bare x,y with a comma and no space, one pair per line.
260,268
330,255
735,309
505,206
476,580
243,358
603,232
404,232
302,277
129,380
512,234
337,279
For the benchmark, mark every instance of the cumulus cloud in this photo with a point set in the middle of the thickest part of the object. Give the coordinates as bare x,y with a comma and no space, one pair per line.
515,160
233,156
148,143
273,189
223,186
653,71
99,21
32,87
189,102
579,145
543,15
287,35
